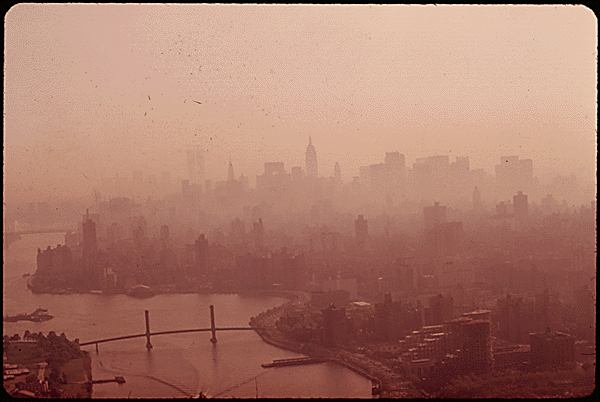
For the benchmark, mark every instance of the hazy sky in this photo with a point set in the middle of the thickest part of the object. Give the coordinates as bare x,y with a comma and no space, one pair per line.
96,90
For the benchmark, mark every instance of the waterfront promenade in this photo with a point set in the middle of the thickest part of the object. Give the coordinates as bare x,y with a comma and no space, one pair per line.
393,384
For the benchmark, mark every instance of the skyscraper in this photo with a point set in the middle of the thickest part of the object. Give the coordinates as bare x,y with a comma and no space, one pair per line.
259,235
201,254
337,172
521,206
230,174
191,165
200,165
311,160
361,230
476,200
90,249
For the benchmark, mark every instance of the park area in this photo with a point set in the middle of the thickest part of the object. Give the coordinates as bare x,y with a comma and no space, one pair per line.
53,358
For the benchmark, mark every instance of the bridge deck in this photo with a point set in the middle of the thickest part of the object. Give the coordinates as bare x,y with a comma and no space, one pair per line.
39,231
178,331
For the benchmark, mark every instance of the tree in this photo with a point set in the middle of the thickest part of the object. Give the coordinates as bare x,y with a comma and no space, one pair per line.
31,378
54,375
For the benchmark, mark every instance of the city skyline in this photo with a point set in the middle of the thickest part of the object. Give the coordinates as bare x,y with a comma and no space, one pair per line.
98,90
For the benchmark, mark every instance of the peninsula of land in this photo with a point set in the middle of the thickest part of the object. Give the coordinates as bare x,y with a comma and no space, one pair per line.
51,366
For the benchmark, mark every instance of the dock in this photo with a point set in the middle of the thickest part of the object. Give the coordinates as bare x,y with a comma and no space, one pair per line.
118,379
293,362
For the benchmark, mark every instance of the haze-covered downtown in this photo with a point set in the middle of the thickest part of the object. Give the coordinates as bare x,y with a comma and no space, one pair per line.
428,170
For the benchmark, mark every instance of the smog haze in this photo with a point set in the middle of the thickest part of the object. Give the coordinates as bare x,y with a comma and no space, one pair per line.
95,91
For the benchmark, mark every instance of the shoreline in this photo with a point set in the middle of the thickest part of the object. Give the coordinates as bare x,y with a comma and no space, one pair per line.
390,386
286,294
374,370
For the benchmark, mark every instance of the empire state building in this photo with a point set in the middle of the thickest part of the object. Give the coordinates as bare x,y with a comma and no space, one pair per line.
311,160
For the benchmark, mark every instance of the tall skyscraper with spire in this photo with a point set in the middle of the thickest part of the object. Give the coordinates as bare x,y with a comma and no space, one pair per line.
311,160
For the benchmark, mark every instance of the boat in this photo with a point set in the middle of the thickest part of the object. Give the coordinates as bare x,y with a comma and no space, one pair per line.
117,379
140,291
15,318
293,362
39,315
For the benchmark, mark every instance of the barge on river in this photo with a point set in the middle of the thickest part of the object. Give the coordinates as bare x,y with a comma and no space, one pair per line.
117,379
294,362
38,315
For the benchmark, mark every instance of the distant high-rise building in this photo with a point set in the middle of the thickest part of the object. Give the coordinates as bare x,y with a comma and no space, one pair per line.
520,206
551,350
201,254
461,164
89,235
476,199
297,174
245,181
335,326
361,229
274,181
395,170
90,249
441,237
434,215
311,160
191,165
200,164
238,229
548,204
230,174
513,173
388,319
259,235
337,172
477,346
164,232
396,165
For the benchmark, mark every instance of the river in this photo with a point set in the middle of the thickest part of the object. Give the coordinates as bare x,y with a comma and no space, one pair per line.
179,365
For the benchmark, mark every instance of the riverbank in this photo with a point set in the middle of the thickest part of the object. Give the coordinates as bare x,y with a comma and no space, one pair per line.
71,379
44,288
393,384
79,378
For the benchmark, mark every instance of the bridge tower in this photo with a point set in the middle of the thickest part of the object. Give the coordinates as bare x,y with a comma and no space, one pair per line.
212,325
148,344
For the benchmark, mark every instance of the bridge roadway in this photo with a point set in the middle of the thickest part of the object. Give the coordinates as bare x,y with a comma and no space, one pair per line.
179,331
38,231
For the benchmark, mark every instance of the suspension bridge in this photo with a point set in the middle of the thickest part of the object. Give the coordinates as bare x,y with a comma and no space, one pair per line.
213,329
